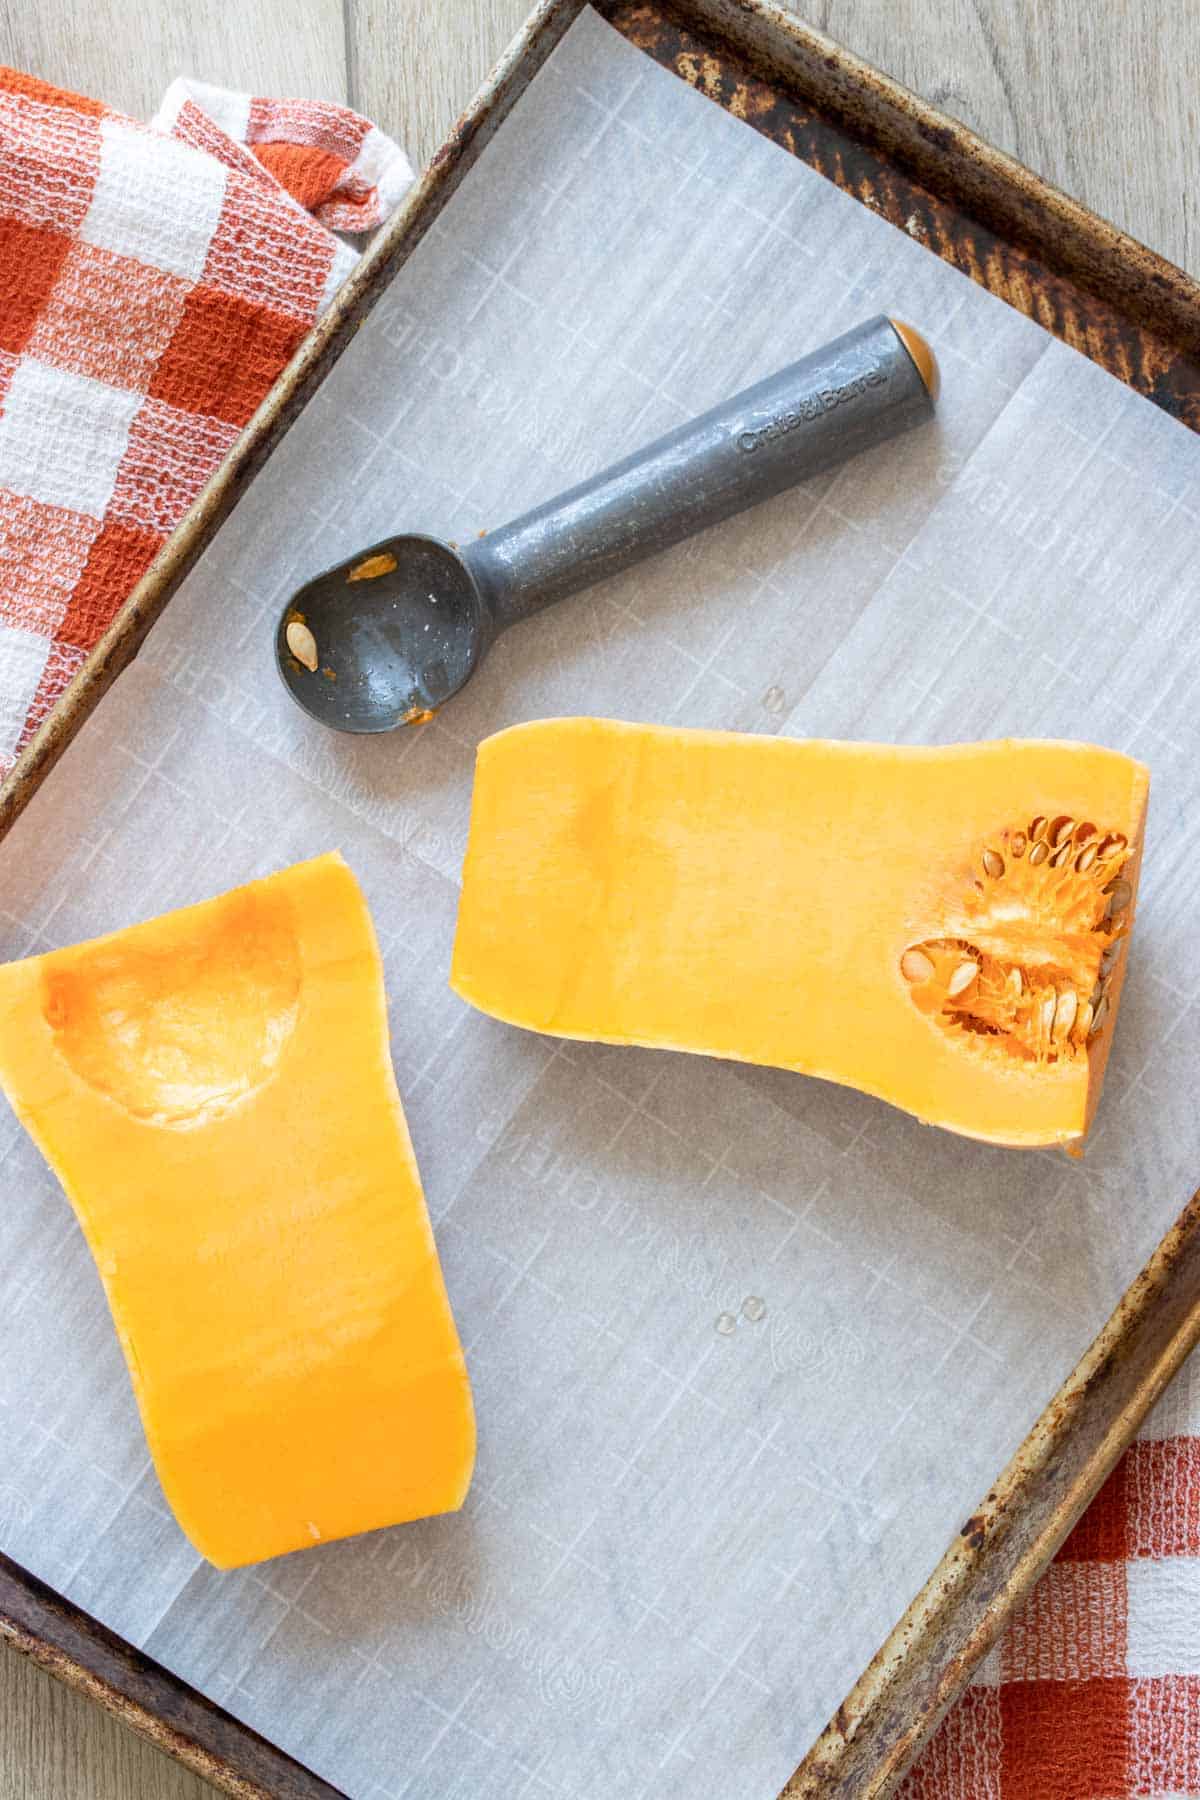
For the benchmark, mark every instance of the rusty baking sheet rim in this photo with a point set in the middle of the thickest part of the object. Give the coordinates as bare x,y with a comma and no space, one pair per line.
1095,288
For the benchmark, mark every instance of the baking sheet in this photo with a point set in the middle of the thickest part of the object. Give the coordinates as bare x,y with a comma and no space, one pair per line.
693,1519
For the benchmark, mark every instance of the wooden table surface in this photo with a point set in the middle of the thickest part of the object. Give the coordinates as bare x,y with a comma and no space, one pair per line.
1104,99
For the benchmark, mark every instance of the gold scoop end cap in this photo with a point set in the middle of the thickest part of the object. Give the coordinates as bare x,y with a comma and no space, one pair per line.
921,354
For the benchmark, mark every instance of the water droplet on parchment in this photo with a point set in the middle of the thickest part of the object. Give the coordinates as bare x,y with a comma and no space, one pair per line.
726,1324
753,1308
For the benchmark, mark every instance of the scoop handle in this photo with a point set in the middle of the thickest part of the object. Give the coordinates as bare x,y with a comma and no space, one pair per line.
862,388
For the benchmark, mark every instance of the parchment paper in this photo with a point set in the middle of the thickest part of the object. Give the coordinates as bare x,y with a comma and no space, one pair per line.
694,1519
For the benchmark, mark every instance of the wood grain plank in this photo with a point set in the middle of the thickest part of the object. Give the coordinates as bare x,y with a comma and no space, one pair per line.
55,1745
126,54
1103,100
414,64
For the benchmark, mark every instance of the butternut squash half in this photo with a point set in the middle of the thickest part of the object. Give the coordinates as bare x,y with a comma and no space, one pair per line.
943,928
214,1090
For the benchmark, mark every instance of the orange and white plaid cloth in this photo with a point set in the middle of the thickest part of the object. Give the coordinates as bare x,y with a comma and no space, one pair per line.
154,280
1093,1693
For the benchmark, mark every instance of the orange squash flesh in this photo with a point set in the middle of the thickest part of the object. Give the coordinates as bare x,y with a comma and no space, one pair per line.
943,928
214,1090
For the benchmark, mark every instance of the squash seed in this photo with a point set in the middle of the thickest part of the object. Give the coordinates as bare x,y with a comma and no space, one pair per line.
302,643
1119,895
1036,828
1111,846
1112,956
372,567
915,966
1085,859
1060,856
1060,830
1085,833
993,864
1038,854
1065,1011
1017,843
1098,1016
1083,1023
961,979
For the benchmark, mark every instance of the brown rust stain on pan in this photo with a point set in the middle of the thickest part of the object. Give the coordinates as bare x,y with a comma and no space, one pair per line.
1154,364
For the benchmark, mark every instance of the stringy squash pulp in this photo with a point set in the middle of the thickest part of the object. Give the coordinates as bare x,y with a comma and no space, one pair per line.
214,1090
943,928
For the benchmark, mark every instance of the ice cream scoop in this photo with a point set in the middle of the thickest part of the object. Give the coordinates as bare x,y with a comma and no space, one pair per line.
387,637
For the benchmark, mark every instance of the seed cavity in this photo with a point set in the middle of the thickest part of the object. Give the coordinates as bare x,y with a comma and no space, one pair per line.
1019,965
302,643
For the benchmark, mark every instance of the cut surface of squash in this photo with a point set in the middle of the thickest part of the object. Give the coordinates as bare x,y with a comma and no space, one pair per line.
941,927
214,1089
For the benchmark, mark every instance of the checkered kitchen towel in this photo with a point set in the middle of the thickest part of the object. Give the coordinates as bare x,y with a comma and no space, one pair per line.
153,283
1094,1691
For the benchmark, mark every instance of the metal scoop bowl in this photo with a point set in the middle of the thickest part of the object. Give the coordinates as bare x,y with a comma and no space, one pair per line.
388,637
